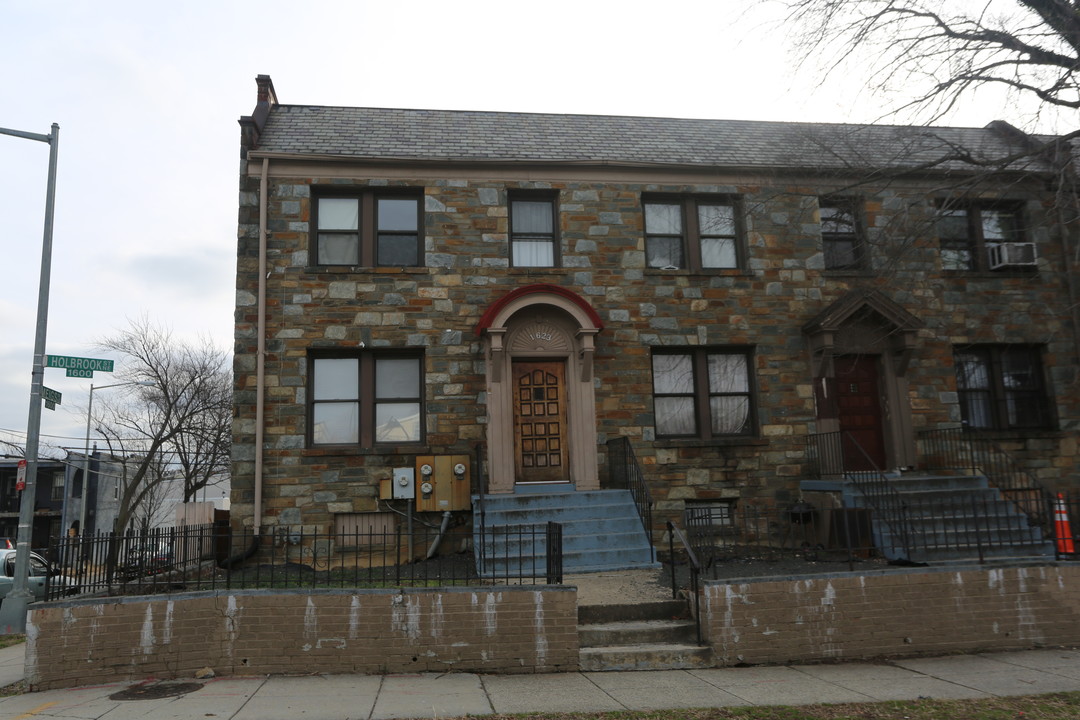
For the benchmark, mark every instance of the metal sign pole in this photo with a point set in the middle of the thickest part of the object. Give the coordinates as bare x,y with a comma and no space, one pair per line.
13,610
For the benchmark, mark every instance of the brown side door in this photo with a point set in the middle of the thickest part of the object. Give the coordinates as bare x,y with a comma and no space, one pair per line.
540,421
858,401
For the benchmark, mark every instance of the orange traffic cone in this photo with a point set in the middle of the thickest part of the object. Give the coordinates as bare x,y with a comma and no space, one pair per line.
1061,527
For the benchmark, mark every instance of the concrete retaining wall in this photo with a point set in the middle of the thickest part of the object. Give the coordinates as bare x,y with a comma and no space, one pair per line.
254,632
923,611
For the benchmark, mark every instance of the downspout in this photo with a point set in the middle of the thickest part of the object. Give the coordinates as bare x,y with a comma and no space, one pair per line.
260,353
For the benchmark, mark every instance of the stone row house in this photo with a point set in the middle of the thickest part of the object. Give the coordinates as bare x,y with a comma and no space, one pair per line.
422,288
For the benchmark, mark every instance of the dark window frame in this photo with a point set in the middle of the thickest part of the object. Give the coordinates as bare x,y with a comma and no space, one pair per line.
691,236
547,196
999,398
975,240
368,231
367,403
701,393
854,207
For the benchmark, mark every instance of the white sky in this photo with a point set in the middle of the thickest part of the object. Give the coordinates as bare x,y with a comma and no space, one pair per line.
147,96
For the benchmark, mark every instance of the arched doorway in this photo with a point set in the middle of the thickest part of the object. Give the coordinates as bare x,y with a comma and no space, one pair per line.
538,343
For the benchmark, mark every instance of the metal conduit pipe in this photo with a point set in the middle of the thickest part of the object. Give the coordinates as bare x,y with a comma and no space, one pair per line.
438,538
260,355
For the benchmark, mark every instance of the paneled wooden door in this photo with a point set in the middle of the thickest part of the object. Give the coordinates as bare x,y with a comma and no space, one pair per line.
540,453
858,400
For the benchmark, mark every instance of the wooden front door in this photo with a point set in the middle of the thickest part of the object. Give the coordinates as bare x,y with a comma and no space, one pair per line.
858,401
540,421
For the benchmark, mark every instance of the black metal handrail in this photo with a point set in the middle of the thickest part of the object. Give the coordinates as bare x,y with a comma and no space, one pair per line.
828,454
694,565
625,472
957,449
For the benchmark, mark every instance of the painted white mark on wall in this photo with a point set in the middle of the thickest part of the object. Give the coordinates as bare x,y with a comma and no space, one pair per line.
435,626
232,625
167,626
354,617
538,625
491,613
146,637
405,616
311,620
829,597
332,643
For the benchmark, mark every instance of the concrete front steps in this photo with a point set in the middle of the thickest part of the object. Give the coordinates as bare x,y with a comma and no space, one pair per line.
956,517
657,635
601,531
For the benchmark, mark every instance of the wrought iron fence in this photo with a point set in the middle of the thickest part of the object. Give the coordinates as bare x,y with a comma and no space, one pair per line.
191,558
694,567
954,449
625,472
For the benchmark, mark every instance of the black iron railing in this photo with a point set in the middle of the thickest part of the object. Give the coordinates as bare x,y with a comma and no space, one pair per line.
694,567
625,472
832,453
185,559
957,450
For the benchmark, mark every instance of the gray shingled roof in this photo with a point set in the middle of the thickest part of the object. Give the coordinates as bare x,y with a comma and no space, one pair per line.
447,135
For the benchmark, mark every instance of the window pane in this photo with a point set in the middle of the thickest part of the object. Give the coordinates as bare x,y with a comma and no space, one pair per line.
397,378
952,225
972,371
397,251
840,254
956,259
663,219
398,214
664,252
975,409
673,374
1018,369
727,373
716,220
718,253
336,379
336,423
339,249
532,217
837,220
397,422
730,414
675,416
999,226
534,253
339,214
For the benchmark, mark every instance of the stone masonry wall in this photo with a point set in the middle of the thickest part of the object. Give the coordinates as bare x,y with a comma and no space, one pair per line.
507,630
765,305
849,617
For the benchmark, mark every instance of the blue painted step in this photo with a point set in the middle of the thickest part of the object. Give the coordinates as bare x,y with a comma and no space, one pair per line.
601,531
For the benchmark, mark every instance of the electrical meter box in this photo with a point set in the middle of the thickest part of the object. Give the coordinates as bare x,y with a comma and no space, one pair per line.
442,483
404,483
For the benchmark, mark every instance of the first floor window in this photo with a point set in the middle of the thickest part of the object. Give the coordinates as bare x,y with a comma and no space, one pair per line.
366,399
702,393
1001,387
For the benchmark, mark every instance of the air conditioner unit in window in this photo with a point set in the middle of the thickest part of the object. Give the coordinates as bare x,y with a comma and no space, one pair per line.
1012,254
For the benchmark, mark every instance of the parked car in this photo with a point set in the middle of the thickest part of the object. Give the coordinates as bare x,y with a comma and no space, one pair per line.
39,573
148,559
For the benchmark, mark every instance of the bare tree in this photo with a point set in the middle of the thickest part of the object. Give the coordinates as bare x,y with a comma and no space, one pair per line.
939,52
174,421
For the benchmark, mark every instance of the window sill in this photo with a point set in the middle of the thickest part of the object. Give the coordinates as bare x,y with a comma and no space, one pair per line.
1015,434
705,272
990,274
359,270
848,272
734,441
353,451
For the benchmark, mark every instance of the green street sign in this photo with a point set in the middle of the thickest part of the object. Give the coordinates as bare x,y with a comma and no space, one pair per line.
50,396
77,366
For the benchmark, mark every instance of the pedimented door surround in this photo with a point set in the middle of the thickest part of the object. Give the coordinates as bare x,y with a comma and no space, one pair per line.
865,324
540,322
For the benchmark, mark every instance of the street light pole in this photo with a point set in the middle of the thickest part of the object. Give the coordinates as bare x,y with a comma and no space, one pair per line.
13,610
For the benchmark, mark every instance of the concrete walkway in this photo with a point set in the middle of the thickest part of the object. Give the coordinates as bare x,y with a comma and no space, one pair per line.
363,697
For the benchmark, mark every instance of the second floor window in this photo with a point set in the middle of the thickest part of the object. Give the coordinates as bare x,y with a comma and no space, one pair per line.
368,230
702,393
366,399
967,235
841,239
533,238
696,232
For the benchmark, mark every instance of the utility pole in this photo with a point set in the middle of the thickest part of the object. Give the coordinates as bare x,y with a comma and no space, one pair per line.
13,609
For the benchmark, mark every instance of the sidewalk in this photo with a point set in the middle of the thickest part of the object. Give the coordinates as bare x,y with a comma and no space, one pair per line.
364,697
